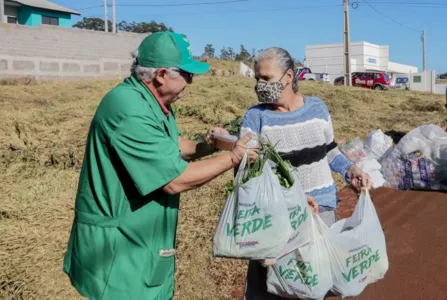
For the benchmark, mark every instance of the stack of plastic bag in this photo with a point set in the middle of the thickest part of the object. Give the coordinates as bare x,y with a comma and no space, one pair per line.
344,258
419,161
261,219
377,145
353,150
365,156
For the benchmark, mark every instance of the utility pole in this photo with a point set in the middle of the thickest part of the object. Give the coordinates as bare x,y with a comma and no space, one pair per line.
106,21
113,16
2,11
347,44
423,51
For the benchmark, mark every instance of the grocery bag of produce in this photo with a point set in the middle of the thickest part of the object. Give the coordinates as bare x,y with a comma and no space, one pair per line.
300,214
254,223
304,273
357,249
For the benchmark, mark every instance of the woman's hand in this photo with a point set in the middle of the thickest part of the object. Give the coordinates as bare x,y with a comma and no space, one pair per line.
267,262
359,179
313,205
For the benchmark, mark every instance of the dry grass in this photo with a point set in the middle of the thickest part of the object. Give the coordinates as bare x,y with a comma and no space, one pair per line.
230,65
42,133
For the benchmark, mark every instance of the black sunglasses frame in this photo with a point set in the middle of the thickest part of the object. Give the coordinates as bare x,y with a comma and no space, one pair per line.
188,76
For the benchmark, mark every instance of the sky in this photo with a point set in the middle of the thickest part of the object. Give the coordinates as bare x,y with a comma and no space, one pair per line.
293,24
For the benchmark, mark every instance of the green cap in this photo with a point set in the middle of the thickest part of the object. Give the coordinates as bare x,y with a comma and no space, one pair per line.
167,49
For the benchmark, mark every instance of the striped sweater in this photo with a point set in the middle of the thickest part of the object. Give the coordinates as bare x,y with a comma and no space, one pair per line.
305,137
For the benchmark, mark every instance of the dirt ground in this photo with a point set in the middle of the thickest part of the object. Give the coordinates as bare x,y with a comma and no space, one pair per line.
42,136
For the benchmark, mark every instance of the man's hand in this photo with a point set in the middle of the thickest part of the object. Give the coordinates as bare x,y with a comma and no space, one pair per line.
313,205
192,150
240,148
359,179
209,135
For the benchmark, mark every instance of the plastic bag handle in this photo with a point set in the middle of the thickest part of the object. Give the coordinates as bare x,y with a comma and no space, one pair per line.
241,170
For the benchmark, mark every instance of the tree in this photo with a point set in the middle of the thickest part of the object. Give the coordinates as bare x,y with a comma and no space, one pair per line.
142,27
244,55
297,63
210,51
93,24
253,54
231,53
443,76
225,54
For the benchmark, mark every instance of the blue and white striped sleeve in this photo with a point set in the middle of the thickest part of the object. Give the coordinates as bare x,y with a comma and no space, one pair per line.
337,161
251,123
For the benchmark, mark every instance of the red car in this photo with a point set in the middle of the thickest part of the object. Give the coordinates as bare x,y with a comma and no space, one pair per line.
370,80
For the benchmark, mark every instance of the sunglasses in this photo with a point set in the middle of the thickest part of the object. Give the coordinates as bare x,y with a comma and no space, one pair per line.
186,75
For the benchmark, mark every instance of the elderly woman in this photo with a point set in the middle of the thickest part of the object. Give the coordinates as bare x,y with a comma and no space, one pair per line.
301,127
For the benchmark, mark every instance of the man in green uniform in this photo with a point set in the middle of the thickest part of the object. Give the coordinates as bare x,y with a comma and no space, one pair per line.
135,165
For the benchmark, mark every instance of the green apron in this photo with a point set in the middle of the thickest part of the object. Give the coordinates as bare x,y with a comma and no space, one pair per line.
123,235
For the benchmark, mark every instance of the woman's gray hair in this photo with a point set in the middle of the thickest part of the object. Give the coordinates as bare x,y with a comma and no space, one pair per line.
284,60
145,73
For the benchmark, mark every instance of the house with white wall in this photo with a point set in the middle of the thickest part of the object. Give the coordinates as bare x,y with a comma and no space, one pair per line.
365,56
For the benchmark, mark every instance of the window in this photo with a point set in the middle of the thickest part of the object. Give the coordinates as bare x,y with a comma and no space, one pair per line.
11,20
50,20
377,75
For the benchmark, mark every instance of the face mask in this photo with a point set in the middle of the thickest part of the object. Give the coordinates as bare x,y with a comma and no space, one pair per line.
269,92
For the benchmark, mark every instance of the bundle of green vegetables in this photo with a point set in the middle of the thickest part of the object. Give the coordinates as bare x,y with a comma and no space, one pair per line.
254,169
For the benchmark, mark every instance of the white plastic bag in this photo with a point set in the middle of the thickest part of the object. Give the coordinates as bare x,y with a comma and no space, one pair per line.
304,273
300,215
419,161
372,167
357,249
353,150
377,144
254,223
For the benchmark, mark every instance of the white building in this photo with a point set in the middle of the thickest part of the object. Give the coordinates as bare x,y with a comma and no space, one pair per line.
364,57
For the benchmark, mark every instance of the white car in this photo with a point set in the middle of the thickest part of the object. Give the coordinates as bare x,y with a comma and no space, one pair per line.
306,74
402,83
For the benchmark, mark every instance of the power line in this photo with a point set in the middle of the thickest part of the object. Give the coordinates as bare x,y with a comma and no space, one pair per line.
409,3
183,4
237,11
389,18
171,5
90,7
248,10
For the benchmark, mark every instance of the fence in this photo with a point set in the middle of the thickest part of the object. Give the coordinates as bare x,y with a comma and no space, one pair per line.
50,52
423,81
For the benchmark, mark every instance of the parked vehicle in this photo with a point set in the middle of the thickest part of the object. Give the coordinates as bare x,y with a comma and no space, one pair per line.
339,80
402,83
370,80
306,74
